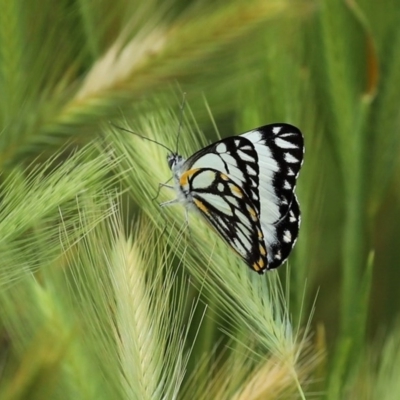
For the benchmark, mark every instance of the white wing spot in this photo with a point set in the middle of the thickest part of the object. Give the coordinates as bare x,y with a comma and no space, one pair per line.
232,200
221,187
237,142
247,147
276,129
203,180
218,202
243,219
284,144
287,236
290,172
245,229
222,224
254,136
287,134
244,239
239,247
229,159
278,255
221,148
292,217
236,174
287,185
245,156
210,160
290,159
250,170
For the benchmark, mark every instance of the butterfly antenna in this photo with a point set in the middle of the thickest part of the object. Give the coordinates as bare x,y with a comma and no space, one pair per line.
142,137
182,107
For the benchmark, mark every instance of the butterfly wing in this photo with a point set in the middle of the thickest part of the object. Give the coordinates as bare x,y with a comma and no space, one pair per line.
264,163
226,206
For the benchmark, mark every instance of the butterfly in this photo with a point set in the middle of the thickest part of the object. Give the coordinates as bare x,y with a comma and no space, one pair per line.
244,186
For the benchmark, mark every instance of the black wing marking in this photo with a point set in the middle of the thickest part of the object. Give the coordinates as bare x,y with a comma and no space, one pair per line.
287,231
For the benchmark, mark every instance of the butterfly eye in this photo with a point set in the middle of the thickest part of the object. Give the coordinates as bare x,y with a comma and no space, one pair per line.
171,159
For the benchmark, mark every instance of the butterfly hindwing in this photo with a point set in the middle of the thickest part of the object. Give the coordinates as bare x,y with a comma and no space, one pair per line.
226,206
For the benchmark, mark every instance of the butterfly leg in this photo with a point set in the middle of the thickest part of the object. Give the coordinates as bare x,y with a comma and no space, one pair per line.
187,226
169,203
161,185
186,216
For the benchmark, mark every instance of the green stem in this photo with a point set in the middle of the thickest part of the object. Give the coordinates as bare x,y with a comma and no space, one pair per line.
354,258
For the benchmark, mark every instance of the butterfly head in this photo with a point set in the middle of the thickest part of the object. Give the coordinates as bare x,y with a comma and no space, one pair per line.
174,161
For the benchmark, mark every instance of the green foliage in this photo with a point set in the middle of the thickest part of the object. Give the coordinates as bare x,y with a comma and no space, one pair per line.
103,295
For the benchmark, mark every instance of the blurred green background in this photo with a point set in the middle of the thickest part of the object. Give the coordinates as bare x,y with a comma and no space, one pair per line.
81,239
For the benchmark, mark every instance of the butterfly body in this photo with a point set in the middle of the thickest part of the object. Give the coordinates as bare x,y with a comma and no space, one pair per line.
244,187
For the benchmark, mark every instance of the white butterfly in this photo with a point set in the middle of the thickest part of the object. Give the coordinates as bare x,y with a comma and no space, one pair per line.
244,187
